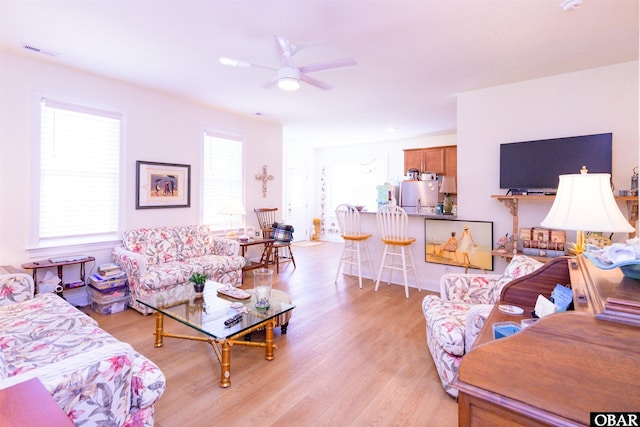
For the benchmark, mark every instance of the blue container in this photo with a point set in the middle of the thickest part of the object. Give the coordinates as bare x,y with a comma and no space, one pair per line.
505,329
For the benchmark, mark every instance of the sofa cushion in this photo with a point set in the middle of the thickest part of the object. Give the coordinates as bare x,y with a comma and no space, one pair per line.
159,276
446,321
215,265
520,265
148,382
15,288
191,241
158,245
3,366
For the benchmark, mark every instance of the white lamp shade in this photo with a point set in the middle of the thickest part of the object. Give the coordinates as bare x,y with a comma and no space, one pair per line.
232,206
585,202
448,184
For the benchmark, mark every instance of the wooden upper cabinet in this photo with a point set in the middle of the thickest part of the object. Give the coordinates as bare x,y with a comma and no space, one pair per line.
412,160
433,161
441,160
451,161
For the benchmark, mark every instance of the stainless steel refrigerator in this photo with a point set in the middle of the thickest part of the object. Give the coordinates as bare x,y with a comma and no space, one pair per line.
419,193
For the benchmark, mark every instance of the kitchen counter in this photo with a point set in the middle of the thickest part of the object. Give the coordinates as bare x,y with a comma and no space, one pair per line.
414,212
428,273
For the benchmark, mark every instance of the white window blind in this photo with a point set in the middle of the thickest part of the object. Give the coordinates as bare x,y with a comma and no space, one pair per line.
222,180
79,174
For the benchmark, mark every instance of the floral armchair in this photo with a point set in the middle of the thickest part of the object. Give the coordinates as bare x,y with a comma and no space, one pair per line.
455,318
95,378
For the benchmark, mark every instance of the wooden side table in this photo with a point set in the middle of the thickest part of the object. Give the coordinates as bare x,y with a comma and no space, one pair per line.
29,404
266,255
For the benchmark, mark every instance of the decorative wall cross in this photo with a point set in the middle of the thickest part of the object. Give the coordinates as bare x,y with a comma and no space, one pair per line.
264,177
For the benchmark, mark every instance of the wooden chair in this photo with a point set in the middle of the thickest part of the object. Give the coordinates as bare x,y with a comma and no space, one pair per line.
349,222
266,219
393,225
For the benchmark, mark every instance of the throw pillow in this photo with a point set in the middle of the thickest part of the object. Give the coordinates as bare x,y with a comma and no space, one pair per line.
282,232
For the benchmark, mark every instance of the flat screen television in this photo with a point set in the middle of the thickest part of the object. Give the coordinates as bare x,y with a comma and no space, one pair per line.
536,165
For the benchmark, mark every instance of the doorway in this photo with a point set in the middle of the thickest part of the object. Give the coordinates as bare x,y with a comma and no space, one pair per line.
296,202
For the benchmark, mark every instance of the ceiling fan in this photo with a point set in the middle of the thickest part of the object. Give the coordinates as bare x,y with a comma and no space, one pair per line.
288,75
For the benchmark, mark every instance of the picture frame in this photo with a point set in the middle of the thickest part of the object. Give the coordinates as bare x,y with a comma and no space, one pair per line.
439,249
162,185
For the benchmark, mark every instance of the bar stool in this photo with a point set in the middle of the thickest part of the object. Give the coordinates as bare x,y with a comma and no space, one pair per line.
393,225
349,222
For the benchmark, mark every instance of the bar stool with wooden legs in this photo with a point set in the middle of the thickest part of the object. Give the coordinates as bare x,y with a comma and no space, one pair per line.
393,224
349,222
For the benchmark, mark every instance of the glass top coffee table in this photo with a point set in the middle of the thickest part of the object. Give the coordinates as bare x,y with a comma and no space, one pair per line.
208,312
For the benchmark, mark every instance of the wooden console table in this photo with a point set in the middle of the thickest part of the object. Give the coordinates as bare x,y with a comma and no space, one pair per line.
557,371
30,404
59,266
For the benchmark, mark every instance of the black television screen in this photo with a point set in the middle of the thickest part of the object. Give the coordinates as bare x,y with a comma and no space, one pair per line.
537,164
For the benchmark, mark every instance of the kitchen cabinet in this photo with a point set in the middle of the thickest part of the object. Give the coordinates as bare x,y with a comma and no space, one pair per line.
441,160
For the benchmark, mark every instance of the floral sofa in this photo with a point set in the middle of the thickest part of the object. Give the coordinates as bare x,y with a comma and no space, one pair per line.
94,378
159,261
455,318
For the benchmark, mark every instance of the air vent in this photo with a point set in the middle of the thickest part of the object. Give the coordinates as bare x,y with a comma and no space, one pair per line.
38,50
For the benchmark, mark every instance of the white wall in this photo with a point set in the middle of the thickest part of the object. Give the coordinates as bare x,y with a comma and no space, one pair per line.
587,102
158,127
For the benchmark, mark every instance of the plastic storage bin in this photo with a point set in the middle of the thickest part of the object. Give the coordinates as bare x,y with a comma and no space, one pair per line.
101,283
109,301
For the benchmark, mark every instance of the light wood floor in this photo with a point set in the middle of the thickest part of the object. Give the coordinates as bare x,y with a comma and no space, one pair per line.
351,357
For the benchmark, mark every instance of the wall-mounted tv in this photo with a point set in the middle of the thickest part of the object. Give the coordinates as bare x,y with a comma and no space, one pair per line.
535,165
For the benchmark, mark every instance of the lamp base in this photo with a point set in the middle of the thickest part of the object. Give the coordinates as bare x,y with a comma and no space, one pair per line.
448,204
579,246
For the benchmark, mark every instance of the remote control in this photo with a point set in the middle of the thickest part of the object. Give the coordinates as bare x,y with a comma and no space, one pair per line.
235,319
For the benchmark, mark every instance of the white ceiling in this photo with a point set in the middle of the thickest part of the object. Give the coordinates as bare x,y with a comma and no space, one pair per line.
413,56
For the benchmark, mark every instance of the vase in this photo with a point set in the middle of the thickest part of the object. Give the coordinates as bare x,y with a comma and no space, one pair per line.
262,284
198,287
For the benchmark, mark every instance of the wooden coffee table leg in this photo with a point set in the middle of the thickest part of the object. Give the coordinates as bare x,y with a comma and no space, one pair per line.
225,365
159,329
269,340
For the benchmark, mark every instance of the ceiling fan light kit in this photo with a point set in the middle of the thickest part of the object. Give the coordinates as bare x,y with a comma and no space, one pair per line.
288,75
289,78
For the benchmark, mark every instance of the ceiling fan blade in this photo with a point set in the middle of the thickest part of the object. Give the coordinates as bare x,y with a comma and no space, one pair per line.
243,64
315,82
283,44
286,50
338,63
270,84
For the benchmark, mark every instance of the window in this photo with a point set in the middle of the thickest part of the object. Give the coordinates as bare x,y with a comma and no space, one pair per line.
79,174
355,183
222,181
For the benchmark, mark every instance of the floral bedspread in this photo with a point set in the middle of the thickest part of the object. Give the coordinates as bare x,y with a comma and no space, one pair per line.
95,378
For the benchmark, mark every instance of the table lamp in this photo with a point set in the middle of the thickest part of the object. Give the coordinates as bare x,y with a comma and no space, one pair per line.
447,187
232,206
585,202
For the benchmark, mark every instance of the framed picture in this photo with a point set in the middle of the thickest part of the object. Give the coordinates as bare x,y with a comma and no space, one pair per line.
162,185
461,243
